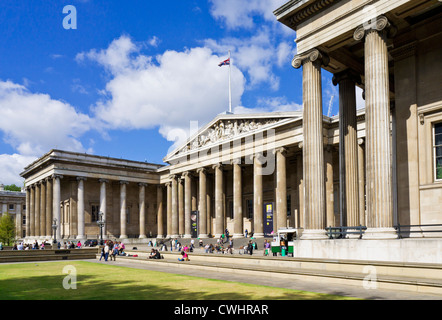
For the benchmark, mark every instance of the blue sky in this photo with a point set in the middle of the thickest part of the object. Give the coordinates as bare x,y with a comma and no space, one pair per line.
133,75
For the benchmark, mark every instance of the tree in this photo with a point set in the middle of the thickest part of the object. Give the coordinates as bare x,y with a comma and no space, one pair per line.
7,229
12,187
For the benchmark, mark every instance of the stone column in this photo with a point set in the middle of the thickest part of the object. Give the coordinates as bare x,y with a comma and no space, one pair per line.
28,210
361,169
378,137
348,147
180,206
32,212
103,203
142,205
123,210
80,209
219,200
238,231
18,219
174,230
329,188
313,144
202,205
281,189
49,191
187,204
160,225
169,209
56,204
37,209
43,210
258,227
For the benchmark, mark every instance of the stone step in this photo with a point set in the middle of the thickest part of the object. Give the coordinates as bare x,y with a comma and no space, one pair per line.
384,275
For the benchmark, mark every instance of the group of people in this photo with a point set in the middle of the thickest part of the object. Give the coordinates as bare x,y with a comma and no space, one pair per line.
41,246
112,249
155,254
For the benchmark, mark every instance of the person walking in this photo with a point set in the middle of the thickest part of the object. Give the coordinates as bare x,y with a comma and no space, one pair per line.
102,253
106,251
250,247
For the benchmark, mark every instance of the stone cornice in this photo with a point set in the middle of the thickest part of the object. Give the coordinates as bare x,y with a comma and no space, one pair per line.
303,10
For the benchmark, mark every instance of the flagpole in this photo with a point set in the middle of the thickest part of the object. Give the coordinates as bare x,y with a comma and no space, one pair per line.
230,88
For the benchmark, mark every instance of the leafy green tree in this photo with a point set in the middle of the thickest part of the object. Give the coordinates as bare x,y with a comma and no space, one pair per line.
7,229
12,187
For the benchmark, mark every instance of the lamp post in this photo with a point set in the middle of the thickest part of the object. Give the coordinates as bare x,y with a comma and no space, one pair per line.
101,223
54,227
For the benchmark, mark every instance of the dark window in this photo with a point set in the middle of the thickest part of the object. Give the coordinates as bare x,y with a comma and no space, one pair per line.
95,213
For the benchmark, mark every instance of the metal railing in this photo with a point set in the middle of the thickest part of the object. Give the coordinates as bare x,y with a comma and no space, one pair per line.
342,232
400,228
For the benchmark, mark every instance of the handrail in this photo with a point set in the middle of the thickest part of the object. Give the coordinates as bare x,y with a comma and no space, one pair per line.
342,231
399,226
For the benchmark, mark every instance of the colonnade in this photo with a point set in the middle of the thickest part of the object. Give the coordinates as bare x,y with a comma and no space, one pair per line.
378,139
43,199
180,206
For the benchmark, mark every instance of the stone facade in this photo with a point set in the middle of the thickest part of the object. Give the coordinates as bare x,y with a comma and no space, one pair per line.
377,167
14,203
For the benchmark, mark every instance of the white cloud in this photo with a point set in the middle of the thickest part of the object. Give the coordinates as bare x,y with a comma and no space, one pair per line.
33,123
240,14
166,92
121,55
11,165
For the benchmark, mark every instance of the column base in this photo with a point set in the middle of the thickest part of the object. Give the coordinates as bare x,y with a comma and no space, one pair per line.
81,238
124,236
380,234
237,235
187,236
314,234
203,236
160,236
258,235
142,236
175,236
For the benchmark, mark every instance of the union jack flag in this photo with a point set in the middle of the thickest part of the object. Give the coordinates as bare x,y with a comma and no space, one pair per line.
224,63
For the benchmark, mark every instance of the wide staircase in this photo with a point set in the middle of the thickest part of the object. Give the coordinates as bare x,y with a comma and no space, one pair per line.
7,255
410,277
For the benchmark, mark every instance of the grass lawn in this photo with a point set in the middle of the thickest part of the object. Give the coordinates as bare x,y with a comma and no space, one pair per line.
44,280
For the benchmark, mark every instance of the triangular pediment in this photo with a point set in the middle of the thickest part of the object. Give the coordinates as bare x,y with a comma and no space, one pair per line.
227,127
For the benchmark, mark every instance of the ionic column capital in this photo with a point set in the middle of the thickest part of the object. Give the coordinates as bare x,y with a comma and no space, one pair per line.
81,178
280,150
103,180
124,182
57,176
185,174
361,141
257,157
310,56
380,23
142,184
217,166
201,170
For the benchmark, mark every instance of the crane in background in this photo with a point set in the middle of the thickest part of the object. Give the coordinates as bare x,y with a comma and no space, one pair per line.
330,106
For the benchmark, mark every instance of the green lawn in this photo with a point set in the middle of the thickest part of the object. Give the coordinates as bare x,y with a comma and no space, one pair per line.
35,281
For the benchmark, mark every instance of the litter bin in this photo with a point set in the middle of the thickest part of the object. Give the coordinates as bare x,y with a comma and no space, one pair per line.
283,251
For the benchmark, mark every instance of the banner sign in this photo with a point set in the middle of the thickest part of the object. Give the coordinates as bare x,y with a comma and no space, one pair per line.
194,224
268,219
